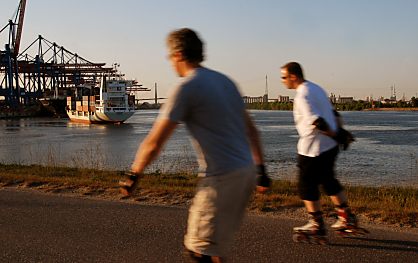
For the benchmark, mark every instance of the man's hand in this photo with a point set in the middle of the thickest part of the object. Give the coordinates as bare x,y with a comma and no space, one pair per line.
323,127
344,138
127,186
263,181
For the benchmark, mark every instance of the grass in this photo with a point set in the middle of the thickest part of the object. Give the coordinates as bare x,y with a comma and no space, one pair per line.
389,205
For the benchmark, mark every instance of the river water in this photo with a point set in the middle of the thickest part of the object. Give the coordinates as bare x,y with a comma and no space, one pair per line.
385,152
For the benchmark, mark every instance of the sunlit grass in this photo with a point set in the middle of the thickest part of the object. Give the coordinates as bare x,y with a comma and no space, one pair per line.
394,205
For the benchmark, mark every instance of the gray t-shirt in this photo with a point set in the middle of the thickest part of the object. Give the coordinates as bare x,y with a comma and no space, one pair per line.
212,108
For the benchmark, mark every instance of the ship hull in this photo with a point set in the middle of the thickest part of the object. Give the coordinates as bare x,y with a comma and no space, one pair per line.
100,117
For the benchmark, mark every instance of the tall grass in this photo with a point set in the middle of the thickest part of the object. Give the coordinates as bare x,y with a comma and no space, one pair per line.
94,156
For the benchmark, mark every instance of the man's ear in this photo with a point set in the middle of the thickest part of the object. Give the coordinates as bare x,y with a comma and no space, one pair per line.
178,56
292,77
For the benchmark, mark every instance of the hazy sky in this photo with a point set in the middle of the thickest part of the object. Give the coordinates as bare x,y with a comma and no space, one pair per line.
350,47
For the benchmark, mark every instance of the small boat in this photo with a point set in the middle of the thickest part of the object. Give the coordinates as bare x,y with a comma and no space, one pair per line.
112,105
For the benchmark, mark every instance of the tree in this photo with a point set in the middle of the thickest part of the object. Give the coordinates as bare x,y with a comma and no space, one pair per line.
414,102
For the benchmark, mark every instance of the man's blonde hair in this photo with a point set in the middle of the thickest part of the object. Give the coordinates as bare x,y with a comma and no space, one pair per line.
188,43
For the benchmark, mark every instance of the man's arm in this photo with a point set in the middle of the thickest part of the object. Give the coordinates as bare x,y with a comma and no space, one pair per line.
323,127
152,144
309,109
254,138
263,181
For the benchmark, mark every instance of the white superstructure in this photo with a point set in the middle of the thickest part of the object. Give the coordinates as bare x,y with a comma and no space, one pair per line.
112,105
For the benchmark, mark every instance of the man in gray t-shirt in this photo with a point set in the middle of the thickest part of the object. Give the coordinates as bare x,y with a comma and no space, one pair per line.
225,139
213,111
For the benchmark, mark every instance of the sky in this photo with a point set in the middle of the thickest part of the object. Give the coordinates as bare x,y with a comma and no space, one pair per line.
350,47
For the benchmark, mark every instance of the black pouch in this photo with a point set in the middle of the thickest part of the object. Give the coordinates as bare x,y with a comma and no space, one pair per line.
344,138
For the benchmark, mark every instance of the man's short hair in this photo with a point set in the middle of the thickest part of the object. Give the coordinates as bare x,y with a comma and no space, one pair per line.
294,68
188,43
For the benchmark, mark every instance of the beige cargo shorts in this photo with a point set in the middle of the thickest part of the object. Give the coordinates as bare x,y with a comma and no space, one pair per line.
217,211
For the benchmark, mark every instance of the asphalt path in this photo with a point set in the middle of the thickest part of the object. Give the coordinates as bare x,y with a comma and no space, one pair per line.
38,227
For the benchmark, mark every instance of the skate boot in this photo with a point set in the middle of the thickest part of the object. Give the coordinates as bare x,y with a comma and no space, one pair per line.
313,232
127,186
347,224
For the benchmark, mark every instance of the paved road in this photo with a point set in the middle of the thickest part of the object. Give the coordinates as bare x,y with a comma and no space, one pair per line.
37,227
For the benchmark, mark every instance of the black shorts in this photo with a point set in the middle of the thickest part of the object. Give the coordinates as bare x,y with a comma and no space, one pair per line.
316,171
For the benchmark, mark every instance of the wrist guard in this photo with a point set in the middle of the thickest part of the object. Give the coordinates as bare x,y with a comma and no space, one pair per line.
262,178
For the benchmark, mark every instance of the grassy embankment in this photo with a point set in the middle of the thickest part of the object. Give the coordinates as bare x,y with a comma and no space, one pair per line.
391,205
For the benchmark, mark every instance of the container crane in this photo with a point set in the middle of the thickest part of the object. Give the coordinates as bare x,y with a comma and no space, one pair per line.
30,74
20,15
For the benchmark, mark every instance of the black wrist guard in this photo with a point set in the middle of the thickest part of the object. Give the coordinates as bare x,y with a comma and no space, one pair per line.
321,124
262,178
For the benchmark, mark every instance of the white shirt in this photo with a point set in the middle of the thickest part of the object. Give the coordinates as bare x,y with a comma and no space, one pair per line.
311,102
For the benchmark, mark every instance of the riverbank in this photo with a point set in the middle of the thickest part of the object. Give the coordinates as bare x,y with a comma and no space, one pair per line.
393,206
391,109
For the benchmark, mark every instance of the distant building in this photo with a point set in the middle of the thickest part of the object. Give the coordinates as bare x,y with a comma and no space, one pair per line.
332,98
260,99
283,99
340,100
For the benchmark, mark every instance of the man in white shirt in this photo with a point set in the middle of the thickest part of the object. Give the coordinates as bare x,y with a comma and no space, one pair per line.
317,127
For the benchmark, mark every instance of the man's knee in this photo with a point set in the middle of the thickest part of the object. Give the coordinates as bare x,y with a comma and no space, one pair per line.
332,187
308,192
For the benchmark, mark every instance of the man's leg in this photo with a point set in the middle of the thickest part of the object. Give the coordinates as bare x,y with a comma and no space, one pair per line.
339,198
346,218
312,206
193,257
315,225
309,193
335,191
217,211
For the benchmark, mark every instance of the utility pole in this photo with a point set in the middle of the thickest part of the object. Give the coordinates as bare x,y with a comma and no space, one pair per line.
266,92
155,94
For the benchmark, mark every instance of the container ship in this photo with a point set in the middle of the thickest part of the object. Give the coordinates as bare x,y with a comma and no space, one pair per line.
112,105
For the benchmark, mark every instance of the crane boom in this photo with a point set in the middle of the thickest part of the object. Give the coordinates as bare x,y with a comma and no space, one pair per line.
21,14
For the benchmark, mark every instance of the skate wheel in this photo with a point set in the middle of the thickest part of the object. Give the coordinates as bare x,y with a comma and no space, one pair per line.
343,233
323,241
300,238
319,240
352,232
364,231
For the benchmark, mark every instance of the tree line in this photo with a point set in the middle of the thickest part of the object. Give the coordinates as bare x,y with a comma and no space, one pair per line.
353,106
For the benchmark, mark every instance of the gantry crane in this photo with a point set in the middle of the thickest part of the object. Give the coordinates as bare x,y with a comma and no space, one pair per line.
41,69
